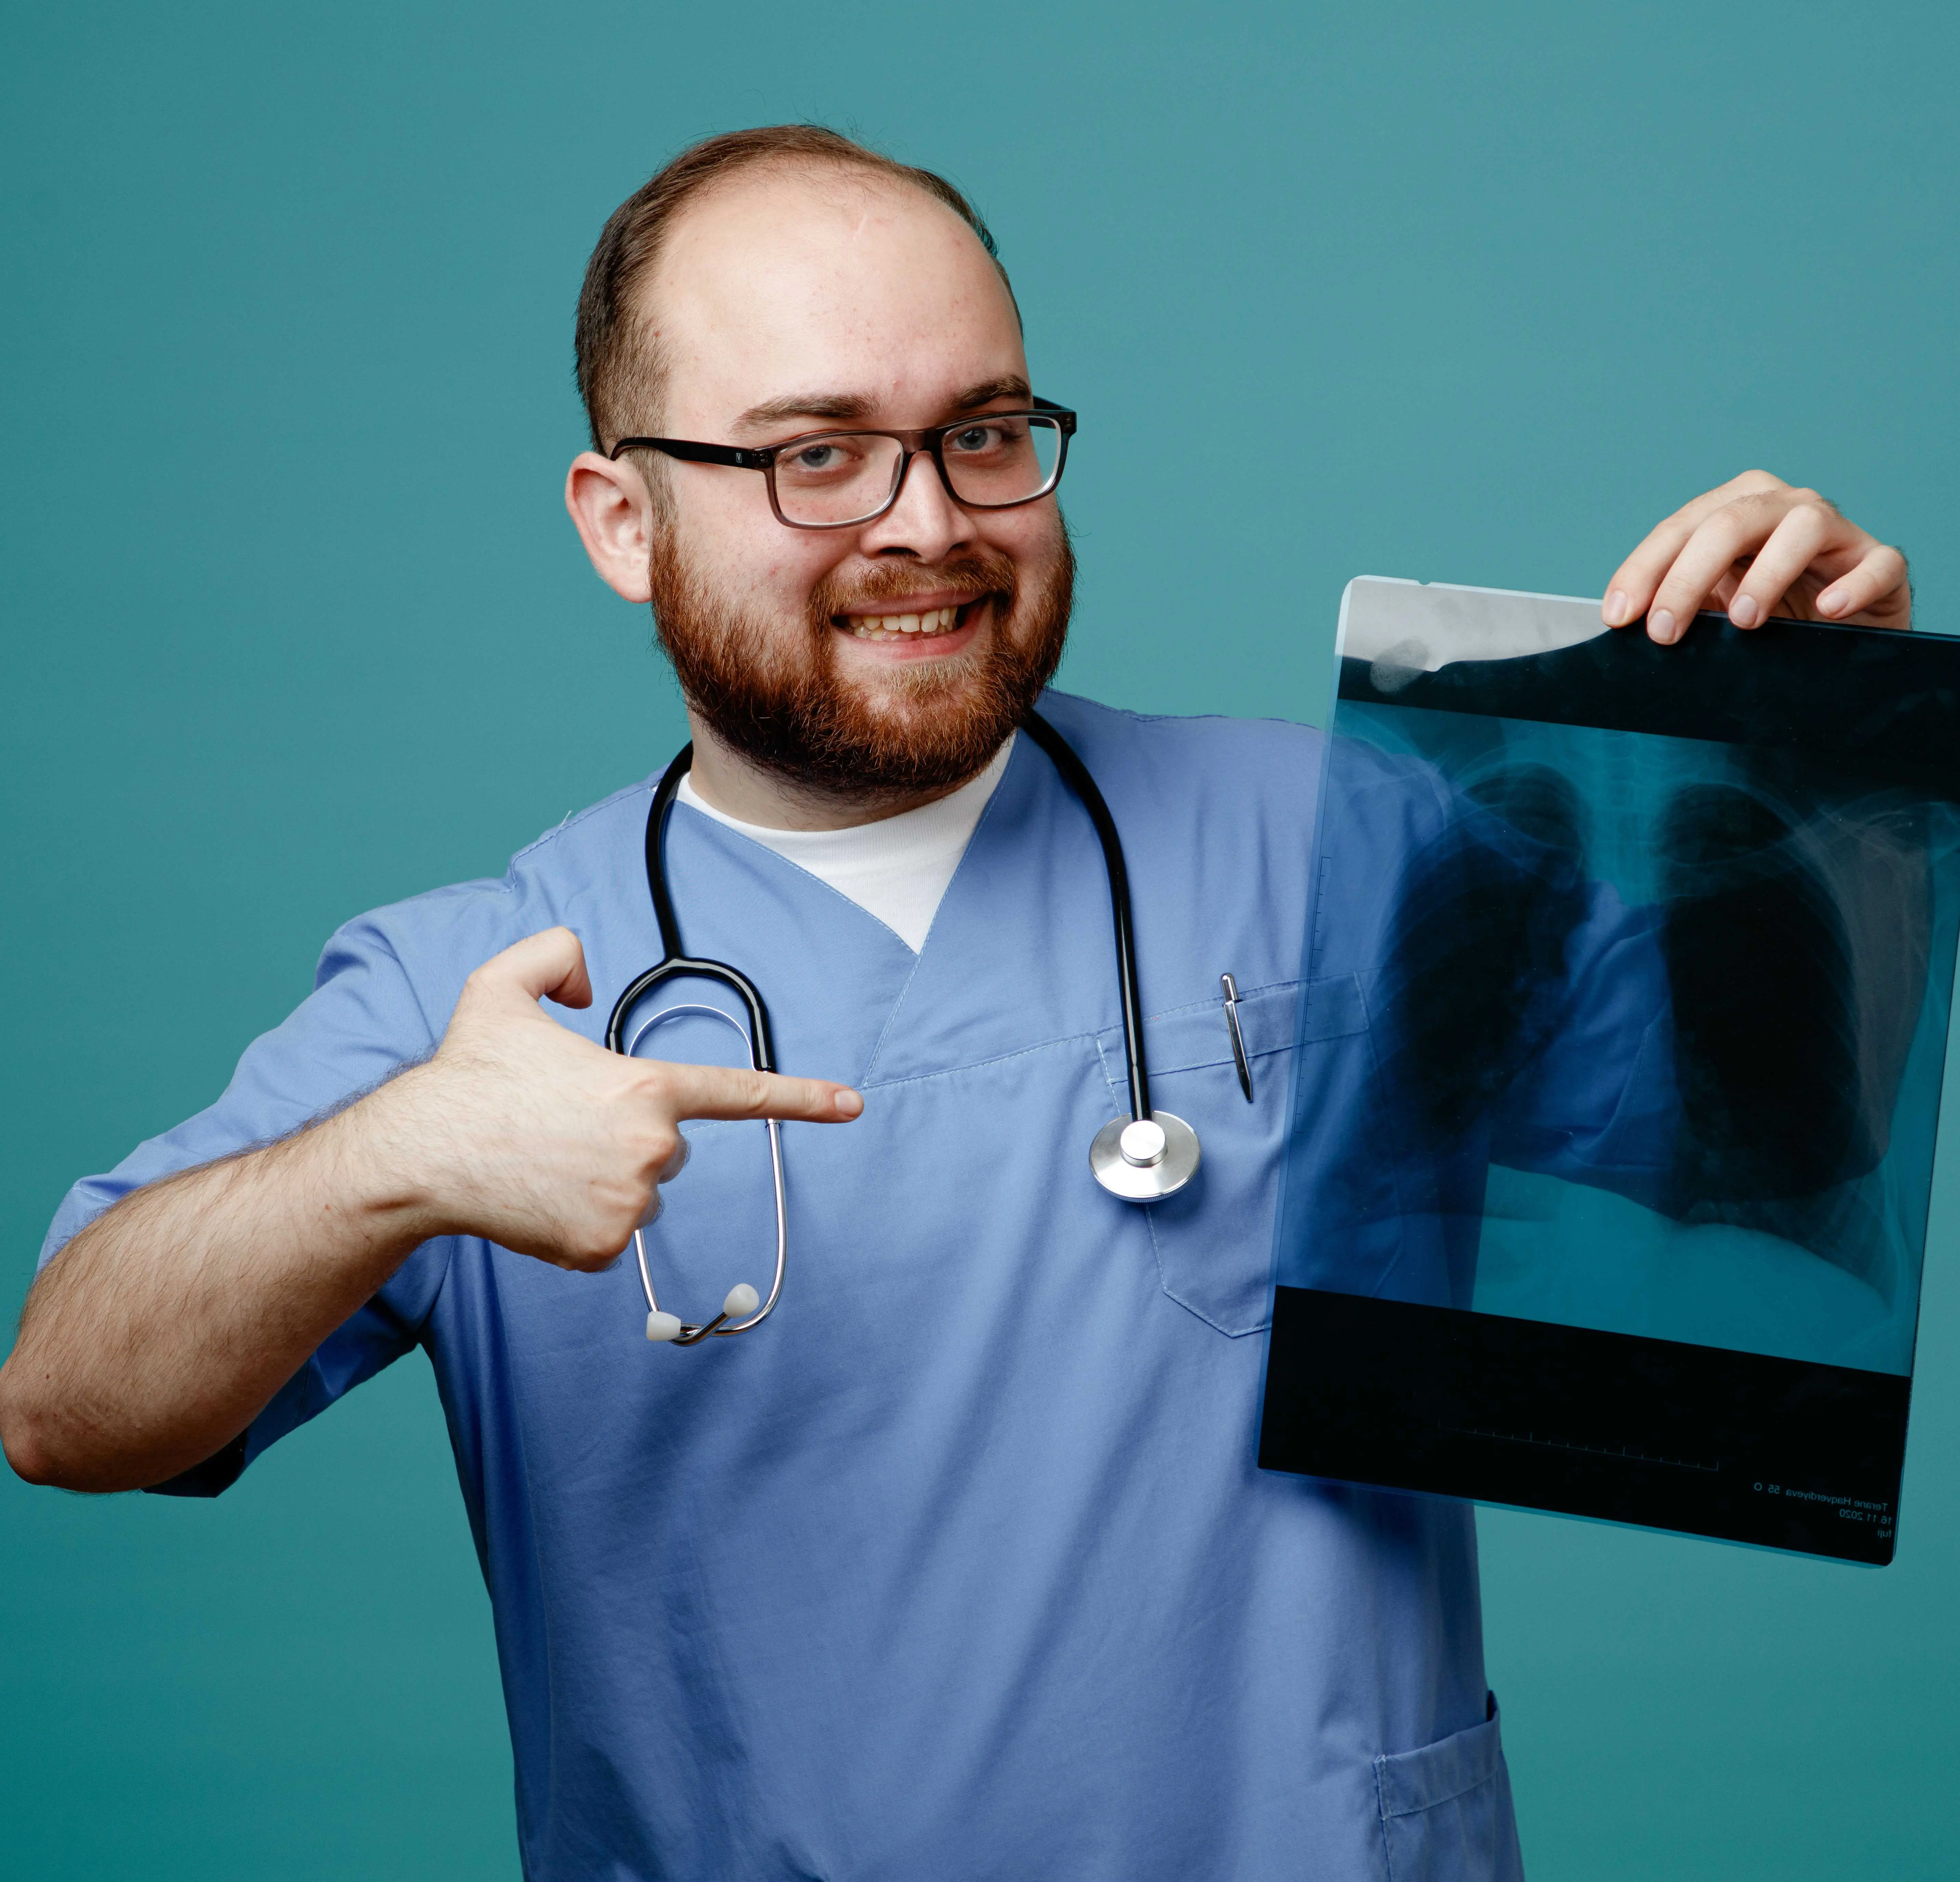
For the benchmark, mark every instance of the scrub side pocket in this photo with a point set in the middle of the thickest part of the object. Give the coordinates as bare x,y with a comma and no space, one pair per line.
1446,1808
1214,1238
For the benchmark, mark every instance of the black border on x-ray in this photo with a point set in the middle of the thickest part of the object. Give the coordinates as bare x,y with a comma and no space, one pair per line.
1700,1439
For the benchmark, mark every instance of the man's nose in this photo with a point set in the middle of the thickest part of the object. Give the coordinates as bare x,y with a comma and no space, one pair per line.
924,521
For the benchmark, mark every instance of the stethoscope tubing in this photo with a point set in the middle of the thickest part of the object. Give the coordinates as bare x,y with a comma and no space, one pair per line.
675,964
690,1335
1075,775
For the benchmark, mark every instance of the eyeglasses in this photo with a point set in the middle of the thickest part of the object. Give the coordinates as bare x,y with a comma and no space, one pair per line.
835,480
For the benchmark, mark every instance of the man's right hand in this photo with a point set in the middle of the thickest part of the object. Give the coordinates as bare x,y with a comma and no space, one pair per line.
164,1327
521,1131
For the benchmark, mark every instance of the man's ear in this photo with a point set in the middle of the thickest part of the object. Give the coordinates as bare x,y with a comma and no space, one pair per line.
612,510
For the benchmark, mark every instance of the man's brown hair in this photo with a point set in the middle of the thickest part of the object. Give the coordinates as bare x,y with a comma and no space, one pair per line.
618,365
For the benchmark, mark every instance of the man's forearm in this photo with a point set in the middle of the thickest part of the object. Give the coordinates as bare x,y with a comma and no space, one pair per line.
162,1329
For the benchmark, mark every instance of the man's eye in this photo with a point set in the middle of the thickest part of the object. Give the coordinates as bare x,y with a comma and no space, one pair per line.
817,457
975,438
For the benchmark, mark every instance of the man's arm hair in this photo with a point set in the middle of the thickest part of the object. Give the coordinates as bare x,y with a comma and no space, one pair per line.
164,1326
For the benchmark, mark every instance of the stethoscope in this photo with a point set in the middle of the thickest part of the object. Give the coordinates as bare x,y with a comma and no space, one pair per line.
1142,1158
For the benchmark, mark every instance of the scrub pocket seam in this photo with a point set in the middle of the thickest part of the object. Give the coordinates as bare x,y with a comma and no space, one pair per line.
977,1065
1170,1294
1411,1784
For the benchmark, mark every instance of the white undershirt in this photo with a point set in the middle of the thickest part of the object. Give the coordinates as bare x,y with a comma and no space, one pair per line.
897,869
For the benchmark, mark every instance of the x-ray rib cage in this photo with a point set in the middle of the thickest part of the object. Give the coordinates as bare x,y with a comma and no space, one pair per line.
1623,1020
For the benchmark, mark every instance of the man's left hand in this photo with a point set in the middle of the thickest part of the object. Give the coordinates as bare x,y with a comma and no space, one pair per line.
1754,547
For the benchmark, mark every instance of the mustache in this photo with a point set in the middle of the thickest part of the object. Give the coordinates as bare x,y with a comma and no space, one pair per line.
973,574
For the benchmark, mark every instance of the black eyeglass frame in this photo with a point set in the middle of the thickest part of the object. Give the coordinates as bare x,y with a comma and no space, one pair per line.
929,440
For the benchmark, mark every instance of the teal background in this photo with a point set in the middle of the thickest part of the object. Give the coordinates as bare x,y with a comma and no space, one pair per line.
294,625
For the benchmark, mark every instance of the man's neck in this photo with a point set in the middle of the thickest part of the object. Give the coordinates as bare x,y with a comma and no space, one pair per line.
751,794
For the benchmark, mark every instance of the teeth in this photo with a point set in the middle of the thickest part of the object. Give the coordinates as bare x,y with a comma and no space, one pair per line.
888,627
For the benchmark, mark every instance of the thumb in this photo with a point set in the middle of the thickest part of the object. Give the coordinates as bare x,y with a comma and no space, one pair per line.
546,966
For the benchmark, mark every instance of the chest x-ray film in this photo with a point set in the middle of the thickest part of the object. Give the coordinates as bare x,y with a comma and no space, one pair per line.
1621,1041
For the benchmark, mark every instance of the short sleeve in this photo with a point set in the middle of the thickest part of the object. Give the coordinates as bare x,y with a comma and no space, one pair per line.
361,1024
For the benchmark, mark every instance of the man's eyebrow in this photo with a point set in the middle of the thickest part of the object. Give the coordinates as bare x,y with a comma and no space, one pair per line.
847,408
1012,386
854,407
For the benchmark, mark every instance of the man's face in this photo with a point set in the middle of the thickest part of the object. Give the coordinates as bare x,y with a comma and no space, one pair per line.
793,301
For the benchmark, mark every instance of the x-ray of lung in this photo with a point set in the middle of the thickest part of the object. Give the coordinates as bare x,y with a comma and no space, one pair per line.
1621,1039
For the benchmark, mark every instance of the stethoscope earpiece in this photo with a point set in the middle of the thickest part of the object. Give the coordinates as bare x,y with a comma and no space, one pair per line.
742,1301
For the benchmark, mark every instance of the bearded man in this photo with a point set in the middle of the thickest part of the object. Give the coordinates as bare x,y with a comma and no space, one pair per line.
961,1566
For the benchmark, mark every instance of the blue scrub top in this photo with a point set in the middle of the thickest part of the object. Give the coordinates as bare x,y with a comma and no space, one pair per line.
961,1566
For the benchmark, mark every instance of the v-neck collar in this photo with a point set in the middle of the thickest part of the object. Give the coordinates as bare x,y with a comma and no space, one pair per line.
1019,954
916,848
1005,968
829,971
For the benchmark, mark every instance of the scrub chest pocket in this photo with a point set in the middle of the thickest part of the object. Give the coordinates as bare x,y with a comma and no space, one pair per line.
1214,1238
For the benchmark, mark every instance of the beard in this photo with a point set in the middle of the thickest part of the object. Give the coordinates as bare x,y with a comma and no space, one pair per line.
780,701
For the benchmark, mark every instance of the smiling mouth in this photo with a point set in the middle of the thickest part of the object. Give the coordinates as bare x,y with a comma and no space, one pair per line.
927,625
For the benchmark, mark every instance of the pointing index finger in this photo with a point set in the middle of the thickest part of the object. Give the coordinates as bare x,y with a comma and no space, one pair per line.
725,1091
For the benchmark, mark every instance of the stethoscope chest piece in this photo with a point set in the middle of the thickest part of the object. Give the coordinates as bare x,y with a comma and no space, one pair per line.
1142,1159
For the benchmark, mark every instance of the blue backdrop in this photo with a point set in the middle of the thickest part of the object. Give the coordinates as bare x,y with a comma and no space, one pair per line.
295,625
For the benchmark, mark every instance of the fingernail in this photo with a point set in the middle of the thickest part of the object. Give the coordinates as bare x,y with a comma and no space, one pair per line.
1616,608
1744,612
1660,625
848,1104
1830,601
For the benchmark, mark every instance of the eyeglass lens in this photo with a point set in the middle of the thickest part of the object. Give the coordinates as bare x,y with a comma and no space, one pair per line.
844,476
